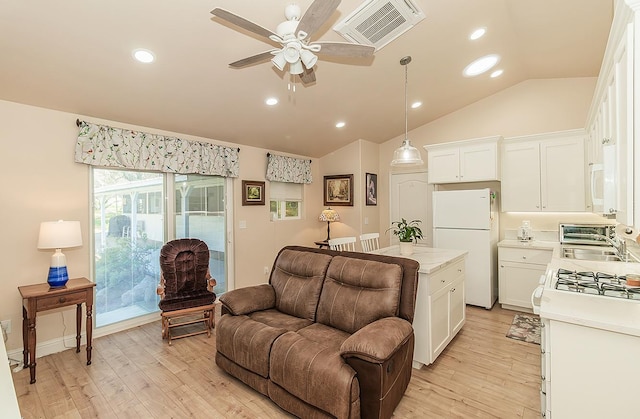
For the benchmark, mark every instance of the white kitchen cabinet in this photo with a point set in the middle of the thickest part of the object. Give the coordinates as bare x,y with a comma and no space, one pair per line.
464,161
444,314
611,120
519,271
544,172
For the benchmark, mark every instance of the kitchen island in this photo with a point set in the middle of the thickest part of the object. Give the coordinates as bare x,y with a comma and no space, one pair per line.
440,303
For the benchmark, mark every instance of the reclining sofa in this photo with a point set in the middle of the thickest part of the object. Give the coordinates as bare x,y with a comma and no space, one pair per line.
329,336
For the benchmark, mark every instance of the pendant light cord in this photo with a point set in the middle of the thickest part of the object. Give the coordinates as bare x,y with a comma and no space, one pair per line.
405,62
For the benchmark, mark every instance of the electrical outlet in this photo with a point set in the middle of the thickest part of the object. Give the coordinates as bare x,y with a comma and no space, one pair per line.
6,326
266,270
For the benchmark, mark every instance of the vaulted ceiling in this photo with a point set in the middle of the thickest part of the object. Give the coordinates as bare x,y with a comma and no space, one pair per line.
76,56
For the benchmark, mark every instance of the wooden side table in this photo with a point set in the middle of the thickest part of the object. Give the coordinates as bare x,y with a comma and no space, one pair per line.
40,297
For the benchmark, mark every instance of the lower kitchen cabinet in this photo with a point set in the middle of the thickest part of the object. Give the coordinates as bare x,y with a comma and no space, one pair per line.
438,321
519,271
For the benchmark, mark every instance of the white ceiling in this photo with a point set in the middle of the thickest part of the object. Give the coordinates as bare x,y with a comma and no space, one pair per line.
75,56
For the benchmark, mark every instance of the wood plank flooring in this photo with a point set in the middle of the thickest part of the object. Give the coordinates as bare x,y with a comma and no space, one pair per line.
135,374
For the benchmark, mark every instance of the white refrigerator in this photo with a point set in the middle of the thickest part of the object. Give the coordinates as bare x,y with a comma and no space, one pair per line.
467,220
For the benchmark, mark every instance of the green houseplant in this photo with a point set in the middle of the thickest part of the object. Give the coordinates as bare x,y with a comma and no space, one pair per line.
408,233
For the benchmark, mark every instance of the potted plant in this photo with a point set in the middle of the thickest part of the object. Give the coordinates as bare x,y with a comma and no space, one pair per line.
408,233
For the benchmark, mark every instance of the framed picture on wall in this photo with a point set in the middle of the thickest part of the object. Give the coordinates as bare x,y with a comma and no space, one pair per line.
252,192
338,190
371,189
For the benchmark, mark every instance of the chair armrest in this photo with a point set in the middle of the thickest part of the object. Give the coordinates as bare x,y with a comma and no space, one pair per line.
377,341
247,300
160,287
211,281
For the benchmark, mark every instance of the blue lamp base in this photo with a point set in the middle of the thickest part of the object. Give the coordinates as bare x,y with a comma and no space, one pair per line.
58,276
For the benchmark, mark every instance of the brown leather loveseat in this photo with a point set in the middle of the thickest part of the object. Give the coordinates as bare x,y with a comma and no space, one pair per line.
330,335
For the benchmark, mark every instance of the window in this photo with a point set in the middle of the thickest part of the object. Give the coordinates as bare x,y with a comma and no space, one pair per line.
285,201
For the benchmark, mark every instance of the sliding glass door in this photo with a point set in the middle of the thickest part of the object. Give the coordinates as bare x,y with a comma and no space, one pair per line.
130,227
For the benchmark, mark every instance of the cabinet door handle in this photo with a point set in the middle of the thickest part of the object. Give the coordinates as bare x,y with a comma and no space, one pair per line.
502,266
524,257
453,290
62,299
459,269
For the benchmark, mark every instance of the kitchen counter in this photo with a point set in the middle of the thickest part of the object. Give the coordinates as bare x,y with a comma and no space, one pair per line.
431,260
8,399
530,244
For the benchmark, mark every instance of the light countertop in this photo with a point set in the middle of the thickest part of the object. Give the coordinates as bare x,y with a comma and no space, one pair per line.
430,259
530,244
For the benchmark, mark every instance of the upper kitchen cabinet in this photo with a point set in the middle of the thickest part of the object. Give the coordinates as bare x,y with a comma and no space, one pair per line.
611,121
464,161
544,172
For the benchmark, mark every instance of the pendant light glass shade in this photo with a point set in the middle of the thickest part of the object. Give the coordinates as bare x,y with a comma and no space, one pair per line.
406,155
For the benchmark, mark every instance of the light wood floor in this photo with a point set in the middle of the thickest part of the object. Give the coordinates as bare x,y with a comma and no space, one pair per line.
135,374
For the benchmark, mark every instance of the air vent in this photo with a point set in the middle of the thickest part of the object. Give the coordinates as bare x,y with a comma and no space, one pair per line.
378,22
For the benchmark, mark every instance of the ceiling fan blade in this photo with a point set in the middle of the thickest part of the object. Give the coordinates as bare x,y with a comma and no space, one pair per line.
242,22
254,59
345,49
308,76
316,15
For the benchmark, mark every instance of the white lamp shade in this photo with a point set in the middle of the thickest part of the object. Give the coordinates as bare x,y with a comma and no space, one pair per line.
406,155
278,61
59,234
296,68
309,59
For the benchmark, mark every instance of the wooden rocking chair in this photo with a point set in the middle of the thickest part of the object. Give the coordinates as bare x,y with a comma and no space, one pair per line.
186,288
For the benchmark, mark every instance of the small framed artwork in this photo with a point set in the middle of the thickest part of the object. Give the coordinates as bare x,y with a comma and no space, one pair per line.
338,190
252,192
371,189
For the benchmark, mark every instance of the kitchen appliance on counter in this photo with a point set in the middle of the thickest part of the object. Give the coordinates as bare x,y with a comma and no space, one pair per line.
467,220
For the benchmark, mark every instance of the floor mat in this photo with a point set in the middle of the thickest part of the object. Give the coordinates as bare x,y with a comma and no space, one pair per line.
525,327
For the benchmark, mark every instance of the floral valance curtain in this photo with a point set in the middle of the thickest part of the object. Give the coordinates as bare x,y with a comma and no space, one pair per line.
288,169
101,145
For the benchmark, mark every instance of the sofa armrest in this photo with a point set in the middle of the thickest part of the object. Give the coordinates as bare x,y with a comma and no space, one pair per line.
377,341
247,300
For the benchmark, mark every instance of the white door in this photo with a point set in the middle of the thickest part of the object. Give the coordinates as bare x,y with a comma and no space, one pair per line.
410,196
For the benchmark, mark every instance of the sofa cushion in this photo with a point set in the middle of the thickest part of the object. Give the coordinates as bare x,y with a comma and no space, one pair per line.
357,292
276,319
314,373
246,342
297,278
328,336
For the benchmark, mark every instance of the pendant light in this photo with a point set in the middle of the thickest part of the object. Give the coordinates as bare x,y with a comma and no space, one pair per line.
406,155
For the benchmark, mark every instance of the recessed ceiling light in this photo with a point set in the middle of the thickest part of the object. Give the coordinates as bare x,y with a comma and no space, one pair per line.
271,101
415,105
496,73
340,124
481,65
477,34
143,55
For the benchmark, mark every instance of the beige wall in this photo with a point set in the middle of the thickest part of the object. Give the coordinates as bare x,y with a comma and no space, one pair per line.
41,182
530,107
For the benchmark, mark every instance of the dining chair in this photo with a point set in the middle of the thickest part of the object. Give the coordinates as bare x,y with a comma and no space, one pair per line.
370,242
345,244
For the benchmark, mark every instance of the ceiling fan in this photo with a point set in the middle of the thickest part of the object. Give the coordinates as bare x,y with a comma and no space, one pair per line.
294,39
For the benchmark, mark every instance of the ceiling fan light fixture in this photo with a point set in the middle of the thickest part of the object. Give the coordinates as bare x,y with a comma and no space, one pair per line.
292,52
296,68
308,58
279,61
406,154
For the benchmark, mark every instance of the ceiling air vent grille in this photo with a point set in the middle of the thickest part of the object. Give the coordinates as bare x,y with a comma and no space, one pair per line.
378,22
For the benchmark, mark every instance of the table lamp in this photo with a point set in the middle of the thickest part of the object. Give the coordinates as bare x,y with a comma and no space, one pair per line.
59,235
329,215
